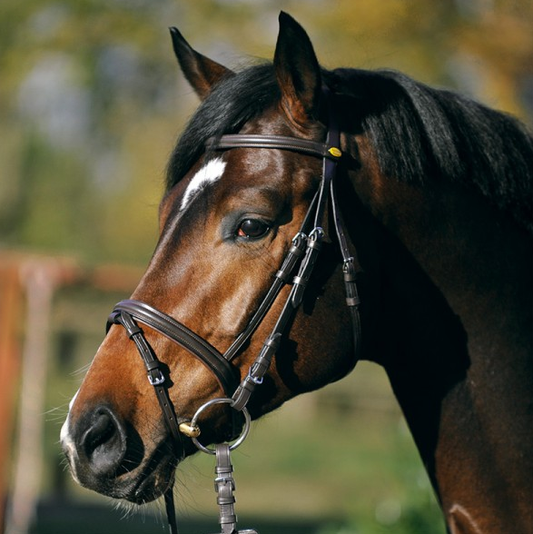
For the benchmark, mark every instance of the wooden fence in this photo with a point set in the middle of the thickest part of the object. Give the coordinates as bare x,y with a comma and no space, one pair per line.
28,286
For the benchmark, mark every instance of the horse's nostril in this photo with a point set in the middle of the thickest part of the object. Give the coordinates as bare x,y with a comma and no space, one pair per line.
104,442
102,431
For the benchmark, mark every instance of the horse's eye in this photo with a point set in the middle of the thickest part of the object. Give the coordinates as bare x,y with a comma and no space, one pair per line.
252,228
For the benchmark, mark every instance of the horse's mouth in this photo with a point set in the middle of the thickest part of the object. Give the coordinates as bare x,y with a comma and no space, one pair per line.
141,484
153,477
152,485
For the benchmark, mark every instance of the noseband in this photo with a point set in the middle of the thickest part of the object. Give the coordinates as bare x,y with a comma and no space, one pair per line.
302,256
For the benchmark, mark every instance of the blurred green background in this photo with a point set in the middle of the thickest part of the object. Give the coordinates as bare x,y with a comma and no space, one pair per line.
91,103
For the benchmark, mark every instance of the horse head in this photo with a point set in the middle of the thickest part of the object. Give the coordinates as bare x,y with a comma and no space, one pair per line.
229,219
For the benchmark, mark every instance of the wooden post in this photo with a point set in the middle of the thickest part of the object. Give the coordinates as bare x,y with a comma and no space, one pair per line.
40,278
27,285
10,316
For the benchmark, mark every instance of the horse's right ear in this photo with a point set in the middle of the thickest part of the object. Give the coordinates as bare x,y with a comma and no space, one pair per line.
201,72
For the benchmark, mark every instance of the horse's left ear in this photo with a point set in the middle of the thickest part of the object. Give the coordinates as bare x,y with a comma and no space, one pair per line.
297,72
201,72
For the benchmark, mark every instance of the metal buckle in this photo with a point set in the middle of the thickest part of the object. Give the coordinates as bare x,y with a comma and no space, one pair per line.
224,487
157,380
257,380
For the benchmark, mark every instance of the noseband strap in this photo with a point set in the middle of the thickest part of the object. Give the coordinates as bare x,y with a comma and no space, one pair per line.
225,373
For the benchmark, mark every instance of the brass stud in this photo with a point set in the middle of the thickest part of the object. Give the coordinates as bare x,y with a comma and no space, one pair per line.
335,152
189,431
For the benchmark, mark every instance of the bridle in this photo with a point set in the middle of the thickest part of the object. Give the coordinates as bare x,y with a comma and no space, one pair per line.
302,255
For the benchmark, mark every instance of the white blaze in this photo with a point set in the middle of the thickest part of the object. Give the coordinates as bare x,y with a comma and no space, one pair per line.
208,174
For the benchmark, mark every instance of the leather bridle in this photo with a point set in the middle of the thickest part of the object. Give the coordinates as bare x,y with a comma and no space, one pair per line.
302,254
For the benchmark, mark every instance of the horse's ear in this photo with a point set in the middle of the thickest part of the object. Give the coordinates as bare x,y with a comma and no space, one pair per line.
201,72
297,72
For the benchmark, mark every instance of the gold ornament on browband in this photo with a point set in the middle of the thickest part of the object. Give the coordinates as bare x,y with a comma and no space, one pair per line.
335,152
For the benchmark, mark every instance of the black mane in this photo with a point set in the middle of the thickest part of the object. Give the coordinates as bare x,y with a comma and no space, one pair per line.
418,133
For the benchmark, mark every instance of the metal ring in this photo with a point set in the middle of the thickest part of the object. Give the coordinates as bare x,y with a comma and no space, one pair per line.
240,439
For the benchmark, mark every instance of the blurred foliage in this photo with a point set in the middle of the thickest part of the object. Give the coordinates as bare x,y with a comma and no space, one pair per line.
91,100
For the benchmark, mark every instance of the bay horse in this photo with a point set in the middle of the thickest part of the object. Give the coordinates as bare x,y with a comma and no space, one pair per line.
373,217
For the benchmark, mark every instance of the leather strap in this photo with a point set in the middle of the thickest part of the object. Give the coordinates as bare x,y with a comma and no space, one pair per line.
351,265
304,146
156,376
350,270
171,510
282,277
224,372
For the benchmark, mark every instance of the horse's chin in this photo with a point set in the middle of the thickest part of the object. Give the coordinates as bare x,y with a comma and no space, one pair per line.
149,487
140,489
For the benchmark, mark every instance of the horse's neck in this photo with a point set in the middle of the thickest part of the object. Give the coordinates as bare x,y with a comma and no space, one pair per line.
457,306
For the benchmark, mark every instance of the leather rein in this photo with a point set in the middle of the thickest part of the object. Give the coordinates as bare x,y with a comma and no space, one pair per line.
300,259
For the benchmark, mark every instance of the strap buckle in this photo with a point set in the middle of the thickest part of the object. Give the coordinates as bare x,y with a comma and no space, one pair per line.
156,380
224,487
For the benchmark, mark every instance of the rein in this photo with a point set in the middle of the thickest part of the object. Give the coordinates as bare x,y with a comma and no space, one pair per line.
303,253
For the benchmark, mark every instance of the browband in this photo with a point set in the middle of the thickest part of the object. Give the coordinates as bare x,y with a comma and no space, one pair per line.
305,146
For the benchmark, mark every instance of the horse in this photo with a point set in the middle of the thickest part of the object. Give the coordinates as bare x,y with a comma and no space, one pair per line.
312,218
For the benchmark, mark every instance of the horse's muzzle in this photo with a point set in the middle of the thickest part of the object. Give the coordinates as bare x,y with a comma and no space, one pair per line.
107,455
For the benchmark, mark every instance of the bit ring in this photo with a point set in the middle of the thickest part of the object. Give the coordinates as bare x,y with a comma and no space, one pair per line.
212,402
